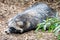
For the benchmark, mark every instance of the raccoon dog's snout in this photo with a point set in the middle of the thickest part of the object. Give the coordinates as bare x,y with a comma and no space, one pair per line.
12,30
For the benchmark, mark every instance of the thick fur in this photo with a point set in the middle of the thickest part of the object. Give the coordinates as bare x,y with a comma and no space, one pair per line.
28,19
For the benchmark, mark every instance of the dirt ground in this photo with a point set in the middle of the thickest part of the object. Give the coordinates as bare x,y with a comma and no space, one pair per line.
9,8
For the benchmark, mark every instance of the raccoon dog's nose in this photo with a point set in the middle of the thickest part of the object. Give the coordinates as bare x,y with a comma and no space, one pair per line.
7,32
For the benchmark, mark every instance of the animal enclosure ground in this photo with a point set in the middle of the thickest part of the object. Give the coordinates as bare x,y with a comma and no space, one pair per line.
9,10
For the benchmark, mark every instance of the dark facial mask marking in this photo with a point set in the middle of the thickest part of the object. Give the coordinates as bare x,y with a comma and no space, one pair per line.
15,31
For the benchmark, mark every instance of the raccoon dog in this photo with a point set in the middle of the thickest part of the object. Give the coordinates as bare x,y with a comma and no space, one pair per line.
28,19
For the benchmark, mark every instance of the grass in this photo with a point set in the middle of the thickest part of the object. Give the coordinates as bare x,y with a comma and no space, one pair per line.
58,37
52,24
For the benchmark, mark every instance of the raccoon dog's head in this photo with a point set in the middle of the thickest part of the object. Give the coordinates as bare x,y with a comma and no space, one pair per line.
14,26
17,25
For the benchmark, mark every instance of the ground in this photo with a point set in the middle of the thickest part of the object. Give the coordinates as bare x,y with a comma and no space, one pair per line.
9,9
